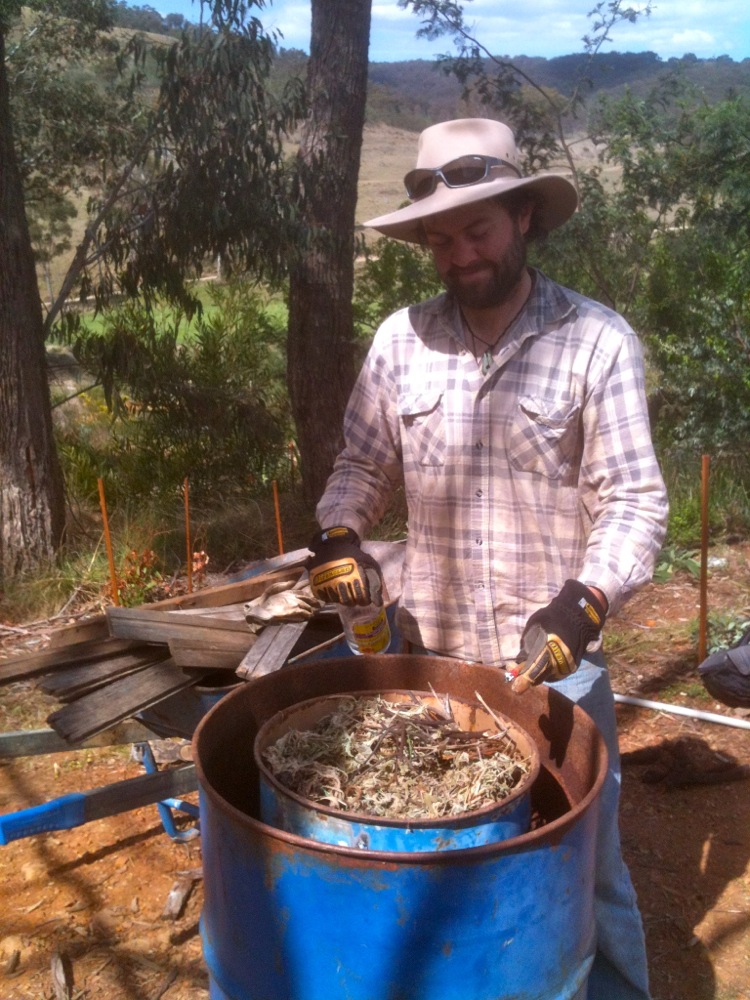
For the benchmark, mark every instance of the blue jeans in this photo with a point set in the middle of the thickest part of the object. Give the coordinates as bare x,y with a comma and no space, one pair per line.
620,969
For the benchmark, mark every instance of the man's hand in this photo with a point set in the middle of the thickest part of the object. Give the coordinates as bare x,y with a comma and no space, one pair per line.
556,637
340,571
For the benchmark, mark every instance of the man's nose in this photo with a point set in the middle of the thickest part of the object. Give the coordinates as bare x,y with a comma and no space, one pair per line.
463,253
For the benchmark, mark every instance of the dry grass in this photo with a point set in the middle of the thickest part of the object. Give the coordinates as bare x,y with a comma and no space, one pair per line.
387,155
403,760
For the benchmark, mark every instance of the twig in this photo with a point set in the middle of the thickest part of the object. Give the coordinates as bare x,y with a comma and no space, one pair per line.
502,725
167,982
62,976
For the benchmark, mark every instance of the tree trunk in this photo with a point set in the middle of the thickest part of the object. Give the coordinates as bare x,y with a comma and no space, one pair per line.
32,508
320,344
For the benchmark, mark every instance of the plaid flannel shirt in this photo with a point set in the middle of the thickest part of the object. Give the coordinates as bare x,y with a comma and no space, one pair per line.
538,471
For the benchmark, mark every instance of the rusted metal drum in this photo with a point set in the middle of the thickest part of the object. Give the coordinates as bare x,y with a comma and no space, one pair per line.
289,918
285,810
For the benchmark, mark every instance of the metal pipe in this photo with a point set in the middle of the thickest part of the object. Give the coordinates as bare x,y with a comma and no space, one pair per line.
693,713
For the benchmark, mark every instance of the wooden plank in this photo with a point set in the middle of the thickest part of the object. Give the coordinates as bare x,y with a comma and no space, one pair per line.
221,617
141,791
85,630
34,664
119,700
162,626
234,593
81,807
214,640
217,651
96,627
230,617
269,653
76,681
33,742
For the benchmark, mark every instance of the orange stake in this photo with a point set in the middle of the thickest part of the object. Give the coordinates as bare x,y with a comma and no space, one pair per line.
108,543
188,542
702,641
278,517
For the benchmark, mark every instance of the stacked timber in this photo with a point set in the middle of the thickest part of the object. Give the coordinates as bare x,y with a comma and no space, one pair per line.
126,660
119,664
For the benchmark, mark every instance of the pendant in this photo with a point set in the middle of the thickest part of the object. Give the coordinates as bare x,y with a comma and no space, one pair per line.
486,362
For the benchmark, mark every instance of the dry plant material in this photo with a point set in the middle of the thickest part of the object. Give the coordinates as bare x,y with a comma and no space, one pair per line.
401,760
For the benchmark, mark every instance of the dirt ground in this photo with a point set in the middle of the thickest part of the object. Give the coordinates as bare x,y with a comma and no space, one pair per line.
89,902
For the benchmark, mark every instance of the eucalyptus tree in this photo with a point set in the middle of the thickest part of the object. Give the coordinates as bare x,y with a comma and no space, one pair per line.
196,172
32,511
321,356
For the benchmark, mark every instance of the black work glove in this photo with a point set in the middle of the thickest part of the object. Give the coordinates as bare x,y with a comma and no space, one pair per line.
556,637
340,571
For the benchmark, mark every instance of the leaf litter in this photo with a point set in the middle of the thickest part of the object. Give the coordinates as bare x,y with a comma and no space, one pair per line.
399,760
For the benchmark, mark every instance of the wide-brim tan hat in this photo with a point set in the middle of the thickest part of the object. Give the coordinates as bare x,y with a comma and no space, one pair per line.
442,144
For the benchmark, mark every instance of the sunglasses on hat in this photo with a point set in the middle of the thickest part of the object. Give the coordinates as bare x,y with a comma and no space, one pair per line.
462,172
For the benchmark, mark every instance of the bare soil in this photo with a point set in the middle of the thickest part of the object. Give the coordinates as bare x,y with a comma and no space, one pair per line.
94,896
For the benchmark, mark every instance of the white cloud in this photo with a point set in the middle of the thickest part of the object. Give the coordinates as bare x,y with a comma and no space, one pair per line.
535,27
687,41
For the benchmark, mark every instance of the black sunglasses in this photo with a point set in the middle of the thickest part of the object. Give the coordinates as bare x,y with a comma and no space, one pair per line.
462,172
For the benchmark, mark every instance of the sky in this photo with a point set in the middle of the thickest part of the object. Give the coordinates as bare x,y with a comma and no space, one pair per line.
705,28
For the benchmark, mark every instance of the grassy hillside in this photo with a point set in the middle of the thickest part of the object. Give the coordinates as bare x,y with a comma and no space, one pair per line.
387,154
405,97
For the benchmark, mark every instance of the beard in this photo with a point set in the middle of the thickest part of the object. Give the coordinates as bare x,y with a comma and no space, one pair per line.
499,279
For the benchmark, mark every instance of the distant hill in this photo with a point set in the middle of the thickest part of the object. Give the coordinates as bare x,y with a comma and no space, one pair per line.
414,93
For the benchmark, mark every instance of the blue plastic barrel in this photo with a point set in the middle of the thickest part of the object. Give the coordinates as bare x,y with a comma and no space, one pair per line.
285,810
288,918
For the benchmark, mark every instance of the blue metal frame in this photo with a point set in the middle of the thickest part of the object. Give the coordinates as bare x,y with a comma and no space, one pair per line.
166,806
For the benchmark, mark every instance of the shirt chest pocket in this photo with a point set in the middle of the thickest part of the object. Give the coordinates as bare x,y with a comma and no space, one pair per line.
545,436
423,428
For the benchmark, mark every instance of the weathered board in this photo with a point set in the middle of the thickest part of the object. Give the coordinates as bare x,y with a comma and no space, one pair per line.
75,681
218,651
33,742
147,625
119,700
35,664
269,653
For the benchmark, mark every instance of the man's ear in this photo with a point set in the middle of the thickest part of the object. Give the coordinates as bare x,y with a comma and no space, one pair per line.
524,216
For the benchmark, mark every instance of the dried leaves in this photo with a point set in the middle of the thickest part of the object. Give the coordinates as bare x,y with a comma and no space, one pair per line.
402,760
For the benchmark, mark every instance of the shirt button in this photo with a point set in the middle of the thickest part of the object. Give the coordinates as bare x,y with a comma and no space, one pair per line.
479,541
479,445
479,493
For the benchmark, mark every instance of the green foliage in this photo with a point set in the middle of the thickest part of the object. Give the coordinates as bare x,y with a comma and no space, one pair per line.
212,179
140,579
725,630
83,17
673,693
179,146
393,275
673,559
410,94
208,404
68,110
144,18
728,498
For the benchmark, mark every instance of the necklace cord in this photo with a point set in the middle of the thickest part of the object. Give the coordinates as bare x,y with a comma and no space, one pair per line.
491,344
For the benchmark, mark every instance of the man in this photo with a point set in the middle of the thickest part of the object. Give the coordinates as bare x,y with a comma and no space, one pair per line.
514,413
